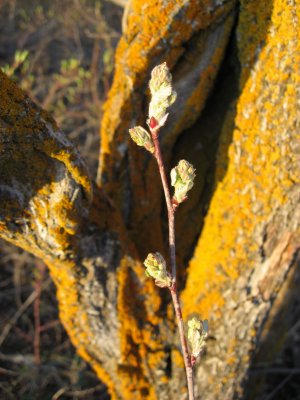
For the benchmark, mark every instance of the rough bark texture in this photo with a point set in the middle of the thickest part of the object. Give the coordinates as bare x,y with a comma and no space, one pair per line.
116,318
250,238
192,37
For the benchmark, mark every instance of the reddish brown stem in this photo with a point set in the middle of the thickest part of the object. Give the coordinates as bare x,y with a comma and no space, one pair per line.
173,289
171,213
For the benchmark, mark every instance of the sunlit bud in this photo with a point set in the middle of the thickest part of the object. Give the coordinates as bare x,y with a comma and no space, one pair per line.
160,77
157,269
163,95
182,178
197,334
142,138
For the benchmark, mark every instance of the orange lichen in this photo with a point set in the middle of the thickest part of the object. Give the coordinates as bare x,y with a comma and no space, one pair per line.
256,167
255,174
177,358
22,119
74,317
156,31
45,192
149,26
43,172
138,339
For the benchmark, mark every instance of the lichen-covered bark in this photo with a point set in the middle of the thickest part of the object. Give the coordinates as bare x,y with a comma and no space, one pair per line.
47,206
250,238
249,241
45,195
192,37
116,318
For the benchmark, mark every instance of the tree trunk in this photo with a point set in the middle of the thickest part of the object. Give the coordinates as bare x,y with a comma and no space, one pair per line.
93,238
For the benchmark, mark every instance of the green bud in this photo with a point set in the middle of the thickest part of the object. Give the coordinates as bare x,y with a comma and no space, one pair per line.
197,334
156,268
182,178
142,138
163,95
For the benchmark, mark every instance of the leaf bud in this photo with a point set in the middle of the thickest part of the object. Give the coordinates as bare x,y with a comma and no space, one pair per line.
142,138
197,334
156,268
182,178
163,95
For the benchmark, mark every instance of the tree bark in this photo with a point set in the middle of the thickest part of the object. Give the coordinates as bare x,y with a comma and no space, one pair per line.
93,238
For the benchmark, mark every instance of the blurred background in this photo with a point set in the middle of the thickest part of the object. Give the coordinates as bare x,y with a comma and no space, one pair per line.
61,53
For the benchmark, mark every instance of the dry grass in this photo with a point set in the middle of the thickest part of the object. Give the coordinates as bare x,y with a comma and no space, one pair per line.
61,53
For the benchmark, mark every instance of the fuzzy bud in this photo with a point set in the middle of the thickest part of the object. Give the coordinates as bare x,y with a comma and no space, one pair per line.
142,138
156,268
197,334
182,178
163,95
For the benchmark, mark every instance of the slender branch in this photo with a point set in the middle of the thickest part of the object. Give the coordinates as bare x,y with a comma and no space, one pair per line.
186,355
173,287
171,214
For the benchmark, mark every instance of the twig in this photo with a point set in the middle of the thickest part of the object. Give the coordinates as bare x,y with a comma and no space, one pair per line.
173,289
182,178
265,371
16,316
279,387
36,312
9,372
25,336
94,73
82,394
49,325
30,299
171,216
